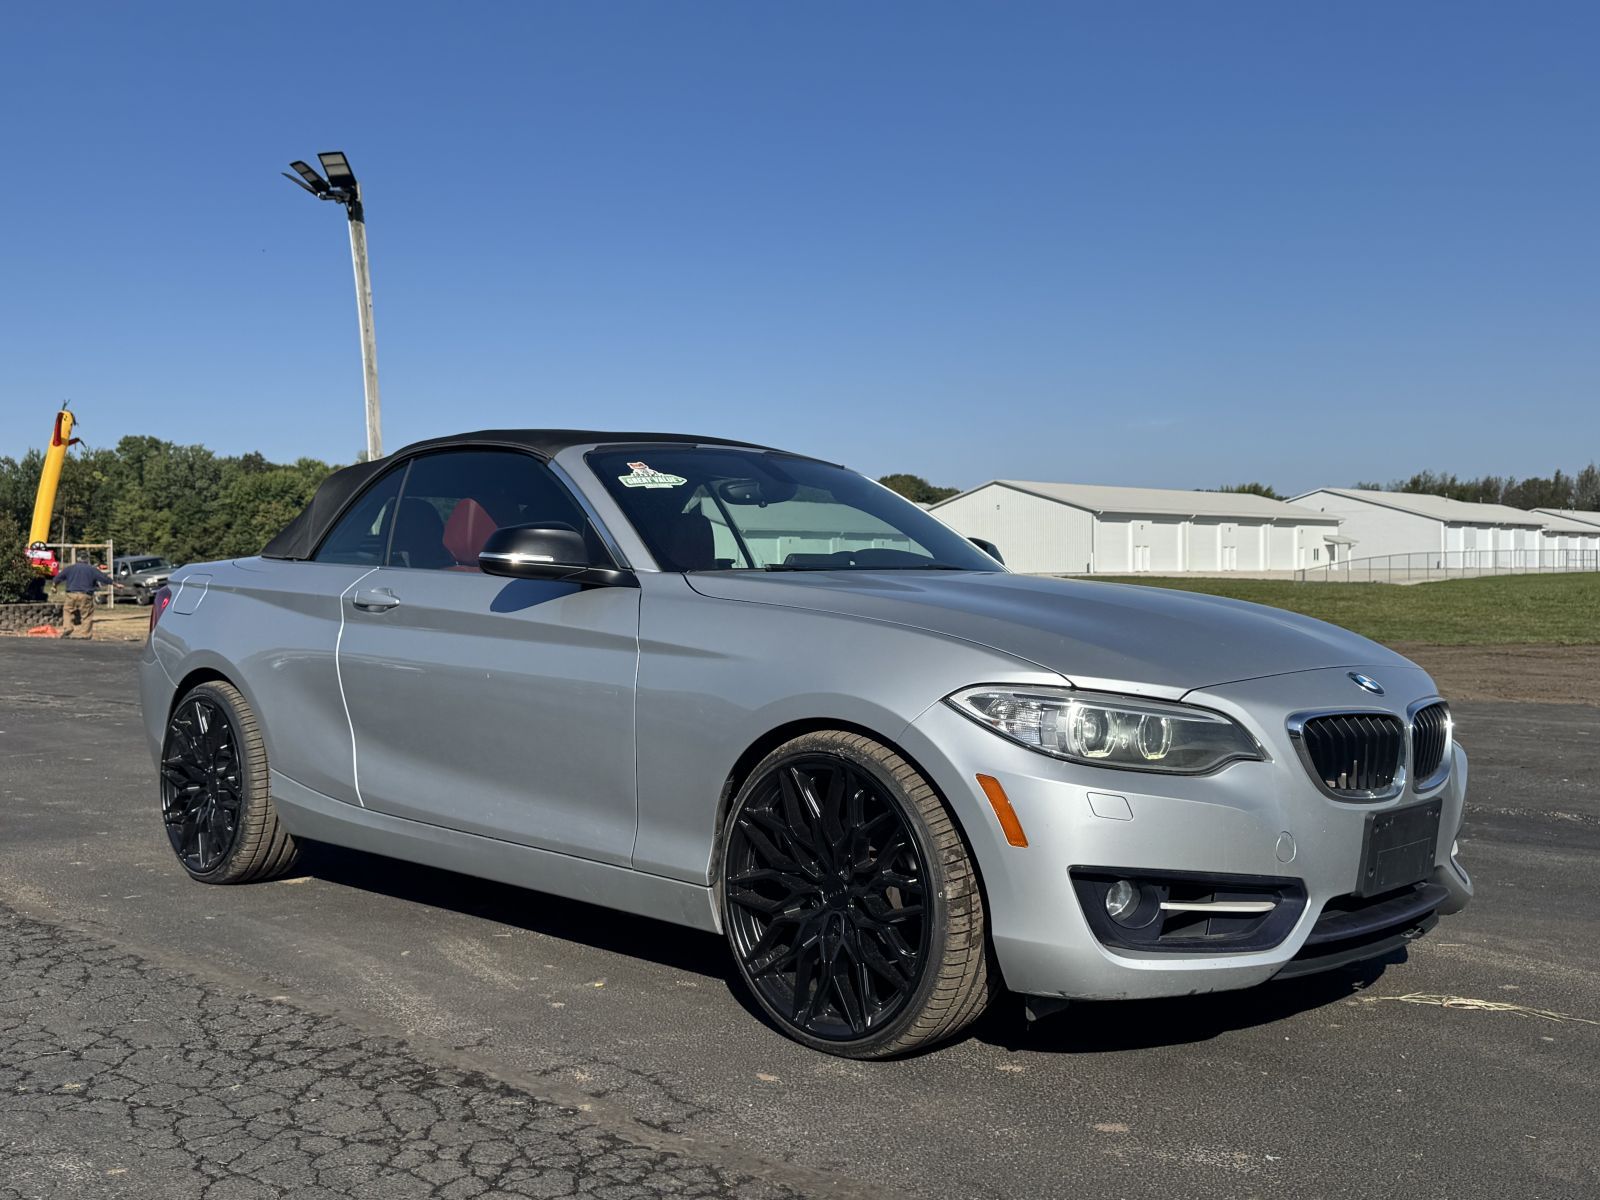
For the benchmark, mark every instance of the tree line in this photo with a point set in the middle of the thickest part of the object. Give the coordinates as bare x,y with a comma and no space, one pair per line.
150,496
1560,490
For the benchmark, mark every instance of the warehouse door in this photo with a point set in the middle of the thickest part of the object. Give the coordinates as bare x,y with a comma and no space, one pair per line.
1228,548
1157,545
1204,547
1139,545
1113,553
1281,541
1166,546
1528,548
1252,547
1504,547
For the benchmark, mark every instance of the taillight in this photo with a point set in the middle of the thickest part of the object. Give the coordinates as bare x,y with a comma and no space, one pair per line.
158,604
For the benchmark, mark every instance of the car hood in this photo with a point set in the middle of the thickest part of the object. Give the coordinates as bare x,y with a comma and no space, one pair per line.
1146,640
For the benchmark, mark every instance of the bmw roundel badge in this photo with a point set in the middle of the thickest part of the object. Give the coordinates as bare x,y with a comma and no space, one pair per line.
1366,683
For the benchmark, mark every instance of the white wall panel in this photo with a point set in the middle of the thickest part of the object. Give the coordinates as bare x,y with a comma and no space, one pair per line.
1377,529
1034,534
1204,545
1281,542
1113,547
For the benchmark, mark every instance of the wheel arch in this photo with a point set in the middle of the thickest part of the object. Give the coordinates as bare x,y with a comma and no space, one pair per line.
214,671
194,679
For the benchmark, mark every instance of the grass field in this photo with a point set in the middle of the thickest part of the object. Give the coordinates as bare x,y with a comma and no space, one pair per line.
1502,610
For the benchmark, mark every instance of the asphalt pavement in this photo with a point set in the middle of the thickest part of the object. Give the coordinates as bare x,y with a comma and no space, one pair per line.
368,1027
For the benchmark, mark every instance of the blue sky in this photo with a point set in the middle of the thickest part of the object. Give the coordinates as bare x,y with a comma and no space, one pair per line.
1171,244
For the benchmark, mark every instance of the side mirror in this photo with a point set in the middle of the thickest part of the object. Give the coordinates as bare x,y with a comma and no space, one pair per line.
988,548
547,552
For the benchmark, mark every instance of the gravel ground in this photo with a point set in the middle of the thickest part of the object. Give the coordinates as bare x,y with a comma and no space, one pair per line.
1536,674
488,1039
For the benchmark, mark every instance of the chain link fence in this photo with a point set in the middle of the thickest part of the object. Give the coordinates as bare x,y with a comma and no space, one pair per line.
1422,565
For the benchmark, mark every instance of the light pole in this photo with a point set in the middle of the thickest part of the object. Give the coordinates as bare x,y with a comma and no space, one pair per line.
341,187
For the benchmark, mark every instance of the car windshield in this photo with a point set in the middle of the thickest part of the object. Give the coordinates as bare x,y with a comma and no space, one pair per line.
722,509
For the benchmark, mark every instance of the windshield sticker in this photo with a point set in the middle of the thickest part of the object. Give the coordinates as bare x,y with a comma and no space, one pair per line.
644,477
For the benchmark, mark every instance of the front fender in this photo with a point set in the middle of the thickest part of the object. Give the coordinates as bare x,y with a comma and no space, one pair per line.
716,677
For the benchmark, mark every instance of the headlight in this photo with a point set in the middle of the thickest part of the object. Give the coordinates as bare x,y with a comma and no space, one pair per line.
1110,731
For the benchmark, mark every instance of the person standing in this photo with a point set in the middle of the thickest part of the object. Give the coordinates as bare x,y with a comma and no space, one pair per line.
80,579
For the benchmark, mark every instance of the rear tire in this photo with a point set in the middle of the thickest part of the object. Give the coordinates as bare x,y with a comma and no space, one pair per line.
215,802
850,900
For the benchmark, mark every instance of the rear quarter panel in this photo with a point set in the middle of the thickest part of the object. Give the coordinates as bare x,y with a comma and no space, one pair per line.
271,628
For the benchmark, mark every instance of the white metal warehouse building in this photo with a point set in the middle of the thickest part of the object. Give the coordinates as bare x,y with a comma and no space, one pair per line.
1463,534
1081,529
1571,528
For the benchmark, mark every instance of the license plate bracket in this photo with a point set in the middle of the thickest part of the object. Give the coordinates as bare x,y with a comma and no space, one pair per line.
1397,847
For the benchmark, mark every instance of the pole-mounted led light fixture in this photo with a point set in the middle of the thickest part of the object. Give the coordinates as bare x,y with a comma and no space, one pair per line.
341,187
337,168
309,179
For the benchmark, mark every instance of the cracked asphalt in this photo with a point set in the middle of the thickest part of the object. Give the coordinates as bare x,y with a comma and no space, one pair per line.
372,1028
123,1078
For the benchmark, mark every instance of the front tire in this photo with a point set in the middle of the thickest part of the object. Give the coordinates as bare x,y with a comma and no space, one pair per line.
214,798
850,900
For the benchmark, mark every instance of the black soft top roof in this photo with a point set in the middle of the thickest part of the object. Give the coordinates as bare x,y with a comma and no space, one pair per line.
300,537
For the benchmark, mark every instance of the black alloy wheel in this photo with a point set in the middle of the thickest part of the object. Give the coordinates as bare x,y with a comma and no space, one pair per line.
201,784
215,803
840,900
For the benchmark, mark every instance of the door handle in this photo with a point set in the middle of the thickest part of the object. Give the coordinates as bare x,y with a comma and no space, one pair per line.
375,600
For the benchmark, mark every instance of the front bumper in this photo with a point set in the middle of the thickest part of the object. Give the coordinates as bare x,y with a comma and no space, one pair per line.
1251,819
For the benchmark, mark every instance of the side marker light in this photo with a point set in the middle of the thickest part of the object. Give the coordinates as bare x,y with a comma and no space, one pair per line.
1001,803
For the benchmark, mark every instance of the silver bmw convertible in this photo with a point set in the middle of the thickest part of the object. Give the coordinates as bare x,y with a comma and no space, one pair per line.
755,693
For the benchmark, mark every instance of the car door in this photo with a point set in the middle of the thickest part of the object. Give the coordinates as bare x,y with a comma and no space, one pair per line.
289,623
493,706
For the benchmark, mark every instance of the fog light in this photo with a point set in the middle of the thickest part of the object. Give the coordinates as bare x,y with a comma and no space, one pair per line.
1122,899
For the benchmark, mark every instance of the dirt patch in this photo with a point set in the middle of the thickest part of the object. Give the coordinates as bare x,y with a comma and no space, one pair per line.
119,623
1541,674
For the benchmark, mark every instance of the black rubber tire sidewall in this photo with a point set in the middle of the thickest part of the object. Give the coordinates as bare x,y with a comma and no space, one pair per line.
889,770
262,848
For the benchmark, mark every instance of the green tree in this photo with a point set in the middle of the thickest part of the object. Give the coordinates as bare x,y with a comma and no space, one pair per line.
1252,489
1558,490
918,489
263,502
1586,489
18,579
151,496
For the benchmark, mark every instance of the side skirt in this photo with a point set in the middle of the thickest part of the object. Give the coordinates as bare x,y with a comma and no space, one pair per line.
312,815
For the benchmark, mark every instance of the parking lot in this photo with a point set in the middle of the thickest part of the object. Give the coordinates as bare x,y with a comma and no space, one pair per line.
370,1027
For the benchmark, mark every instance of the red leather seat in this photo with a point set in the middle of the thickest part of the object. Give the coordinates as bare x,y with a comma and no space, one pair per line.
466,531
